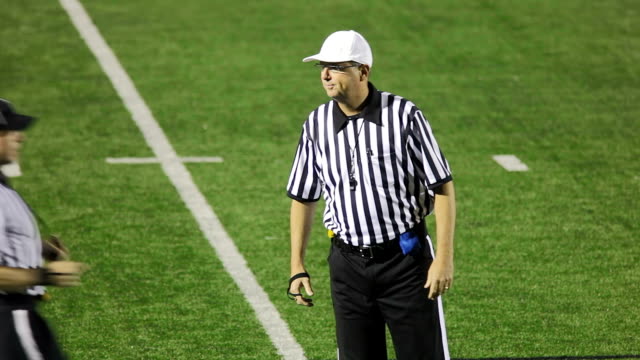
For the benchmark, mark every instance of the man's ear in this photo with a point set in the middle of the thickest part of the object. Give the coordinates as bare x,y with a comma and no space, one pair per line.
365,70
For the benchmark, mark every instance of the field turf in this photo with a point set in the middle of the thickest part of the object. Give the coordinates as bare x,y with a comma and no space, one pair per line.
547,261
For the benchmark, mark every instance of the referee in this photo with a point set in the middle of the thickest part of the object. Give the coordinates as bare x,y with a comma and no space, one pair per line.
374,159
23,332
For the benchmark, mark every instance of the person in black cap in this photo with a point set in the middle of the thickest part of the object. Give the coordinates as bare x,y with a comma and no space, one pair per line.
24,334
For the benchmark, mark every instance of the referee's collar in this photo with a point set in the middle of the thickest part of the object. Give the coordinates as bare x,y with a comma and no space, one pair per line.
3,179
371,111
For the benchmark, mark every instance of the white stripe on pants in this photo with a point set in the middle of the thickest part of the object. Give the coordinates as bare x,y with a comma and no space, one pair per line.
23,329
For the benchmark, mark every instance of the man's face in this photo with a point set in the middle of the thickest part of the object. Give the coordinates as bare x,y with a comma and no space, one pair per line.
10,142
339,79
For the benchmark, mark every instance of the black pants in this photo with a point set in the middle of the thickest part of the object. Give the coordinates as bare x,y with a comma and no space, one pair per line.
368,293
24,334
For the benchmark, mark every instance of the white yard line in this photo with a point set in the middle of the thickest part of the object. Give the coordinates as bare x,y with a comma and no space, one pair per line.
232,260
146,160
510,162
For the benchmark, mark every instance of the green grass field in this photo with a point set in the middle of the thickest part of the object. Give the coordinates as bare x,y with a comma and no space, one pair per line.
547,261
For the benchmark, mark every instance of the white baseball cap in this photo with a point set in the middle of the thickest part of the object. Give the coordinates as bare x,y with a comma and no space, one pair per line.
341,46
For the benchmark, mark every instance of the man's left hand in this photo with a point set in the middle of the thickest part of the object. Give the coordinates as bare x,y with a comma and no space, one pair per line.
54,250
439,277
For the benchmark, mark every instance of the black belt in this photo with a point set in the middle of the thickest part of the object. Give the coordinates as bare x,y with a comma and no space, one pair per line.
377,251
18,301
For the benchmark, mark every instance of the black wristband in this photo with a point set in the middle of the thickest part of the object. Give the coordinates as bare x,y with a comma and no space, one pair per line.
291,295
44,276
298,276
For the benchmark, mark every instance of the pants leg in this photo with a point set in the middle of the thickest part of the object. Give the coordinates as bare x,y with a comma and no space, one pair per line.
26,336
10,347
416,323
360,328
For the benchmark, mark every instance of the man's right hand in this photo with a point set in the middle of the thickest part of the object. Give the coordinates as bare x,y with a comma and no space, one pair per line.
296,289
300,221
65,273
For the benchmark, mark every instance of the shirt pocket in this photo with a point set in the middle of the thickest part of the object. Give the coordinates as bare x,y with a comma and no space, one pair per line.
384,167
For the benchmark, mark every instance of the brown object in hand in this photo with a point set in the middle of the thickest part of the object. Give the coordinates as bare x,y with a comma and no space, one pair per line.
53,249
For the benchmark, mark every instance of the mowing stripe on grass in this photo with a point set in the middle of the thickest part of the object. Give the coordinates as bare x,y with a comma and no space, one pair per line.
510,162
232,260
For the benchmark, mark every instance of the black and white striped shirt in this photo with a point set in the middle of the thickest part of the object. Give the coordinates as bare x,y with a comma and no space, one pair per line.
20,243
397,165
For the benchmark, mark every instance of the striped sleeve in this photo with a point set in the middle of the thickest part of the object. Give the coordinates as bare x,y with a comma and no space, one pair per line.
429,161
304,184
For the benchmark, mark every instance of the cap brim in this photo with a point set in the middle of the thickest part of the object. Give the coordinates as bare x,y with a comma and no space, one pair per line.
319,57
18,122
311,58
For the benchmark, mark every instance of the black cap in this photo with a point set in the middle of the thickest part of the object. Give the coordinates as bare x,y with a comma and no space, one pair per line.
11,120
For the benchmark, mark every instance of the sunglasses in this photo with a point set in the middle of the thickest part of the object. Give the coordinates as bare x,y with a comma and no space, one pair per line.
335,68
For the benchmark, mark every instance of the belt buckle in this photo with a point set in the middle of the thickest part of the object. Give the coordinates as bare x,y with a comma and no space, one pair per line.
366,252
